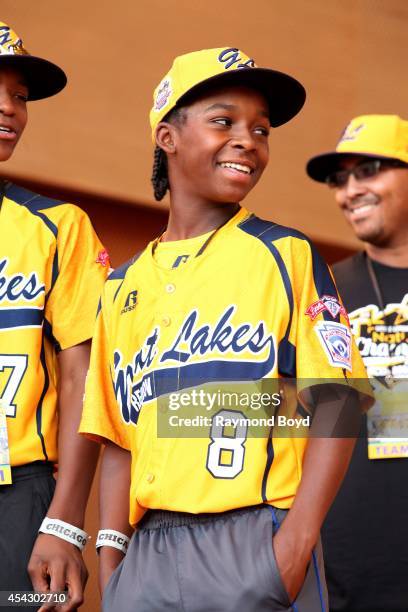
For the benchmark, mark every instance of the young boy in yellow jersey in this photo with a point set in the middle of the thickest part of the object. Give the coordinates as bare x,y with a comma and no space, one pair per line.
221,301
52,268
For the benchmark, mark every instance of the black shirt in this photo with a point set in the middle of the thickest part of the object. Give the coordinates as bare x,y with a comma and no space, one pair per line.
365,535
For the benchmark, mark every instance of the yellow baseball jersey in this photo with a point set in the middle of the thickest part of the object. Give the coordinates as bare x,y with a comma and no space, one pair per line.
234,309
52,270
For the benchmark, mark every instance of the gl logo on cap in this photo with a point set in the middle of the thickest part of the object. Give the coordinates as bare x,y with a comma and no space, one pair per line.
350,133
9,43
231,56
5,36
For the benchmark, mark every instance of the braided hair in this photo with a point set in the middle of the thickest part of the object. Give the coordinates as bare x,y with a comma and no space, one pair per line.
160,178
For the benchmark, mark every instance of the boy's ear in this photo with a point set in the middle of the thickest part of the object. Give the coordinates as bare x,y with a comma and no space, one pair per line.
165,133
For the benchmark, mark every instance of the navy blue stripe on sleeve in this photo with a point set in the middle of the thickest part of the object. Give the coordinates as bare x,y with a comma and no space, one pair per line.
30,199
20,317
38,412
120,273
267,232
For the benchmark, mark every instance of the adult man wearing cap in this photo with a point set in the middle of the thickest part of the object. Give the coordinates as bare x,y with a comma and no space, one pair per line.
228,515
52,267
366,532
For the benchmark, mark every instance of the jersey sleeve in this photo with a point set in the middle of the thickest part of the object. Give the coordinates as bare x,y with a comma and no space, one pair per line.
82,267
101,417
324,348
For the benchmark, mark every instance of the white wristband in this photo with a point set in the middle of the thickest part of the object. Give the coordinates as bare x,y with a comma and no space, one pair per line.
65,531
110,537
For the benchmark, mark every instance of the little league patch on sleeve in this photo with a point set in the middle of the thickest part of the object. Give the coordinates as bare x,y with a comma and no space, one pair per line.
329,303
335,339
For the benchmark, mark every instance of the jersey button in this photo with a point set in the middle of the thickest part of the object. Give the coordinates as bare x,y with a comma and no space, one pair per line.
170,288
150,478
166,321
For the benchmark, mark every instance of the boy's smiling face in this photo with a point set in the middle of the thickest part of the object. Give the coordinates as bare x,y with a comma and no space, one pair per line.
218,153
13,110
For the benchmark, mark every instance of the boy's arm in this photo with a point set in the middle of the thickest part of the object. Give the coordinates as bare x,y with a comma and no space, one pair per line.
325,464
54,562
113,505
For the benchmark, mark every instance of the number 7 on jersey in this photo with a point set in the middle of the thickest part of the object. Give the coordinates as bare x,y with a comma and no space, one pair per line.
9,385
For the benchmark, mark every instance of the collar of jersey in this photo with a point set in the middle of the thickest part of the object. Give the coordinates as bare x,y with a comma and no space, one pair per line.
231,224
189,243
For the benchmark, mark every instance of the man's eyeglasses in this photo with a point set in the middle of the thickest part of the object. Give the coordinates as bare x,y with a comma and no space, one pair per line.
363,171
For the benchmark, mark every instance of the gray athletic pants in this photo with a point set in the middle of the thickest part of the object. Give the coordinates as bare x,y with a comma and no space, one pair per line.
179,562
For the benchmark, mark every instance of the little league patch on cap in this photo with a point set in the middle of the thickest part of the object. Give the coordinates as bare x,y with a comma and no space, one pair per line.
380,136
43,78
193,72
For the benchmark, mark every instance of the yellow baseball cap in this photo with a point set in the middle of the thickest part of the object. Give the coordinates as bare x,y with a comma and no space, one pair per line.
43,78
380,136
194,72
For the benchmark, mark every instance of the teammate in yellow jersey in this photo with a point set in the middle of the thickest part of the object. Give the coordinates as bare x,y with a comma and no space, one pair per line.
52,268
193,338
